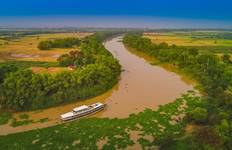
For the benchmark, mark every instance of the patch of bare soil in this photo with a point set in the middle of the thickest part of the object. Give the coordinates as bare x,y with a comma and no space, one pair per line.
102,142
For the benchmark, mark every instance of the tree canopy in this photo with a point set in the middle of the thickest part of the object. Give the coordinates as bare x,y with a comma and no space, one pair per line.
215,77
97,70
59,43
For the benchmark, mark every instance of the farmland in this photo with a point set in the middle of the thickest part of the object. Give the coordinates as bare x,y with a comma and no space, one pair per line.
172,121
26,48
210,41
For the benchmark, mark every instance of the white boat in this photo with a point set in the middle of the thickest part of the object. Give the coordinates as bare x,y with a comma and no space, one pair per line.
82,111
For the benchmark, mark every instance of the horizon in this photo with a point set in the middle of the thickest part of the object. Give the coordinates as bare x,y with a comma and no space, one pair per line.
116,14
110,21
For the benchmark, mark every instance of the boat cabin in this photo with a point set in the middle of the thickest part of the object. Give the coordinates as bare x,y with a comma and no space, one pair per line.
80,109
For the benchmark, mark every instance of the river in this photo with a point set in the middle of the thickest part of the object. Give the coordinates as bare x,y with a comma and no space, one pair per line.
141,86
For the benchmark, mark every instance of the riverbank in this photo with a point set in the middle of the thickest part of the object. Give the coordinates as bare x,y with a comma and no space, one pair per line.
139,130
143,130
38,96
186,77
141,86
214,75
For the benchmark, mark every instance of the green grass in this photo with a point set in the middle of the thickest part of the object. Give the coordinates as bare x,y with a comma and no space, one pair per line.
86,133
213,49
16,123
28,64
4,117
23,116
24,120
43,120
205,41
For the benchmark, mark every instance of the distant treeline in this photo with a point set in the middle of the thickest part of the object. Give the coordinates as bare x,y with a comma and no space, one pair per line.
10,34
59,43
21,89
213,35
207,34
215,77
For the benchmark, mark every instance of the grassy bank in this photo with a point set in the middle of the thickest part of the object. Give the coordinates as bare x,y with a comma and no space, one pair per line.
214,76
145,129
185,76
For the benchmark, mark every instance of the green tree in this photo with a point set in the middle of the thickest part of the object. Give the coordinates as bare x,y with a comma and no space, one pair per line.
226,58
198,115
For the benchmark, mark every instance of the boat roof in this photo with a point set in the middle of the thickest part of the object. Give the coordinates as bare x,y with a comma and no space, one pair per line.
97,104
80,108
68,114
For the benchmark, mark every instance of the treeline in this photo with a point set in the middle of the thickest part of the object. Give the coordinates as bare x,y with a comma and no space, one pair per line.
212,35
90,51
12,34
21,89
214,120
59,43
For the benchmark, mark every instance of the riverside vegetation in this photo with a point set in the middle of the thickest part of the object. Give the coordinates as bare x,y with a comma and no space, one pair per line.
59,43
21,89
164,127
215,77
148,129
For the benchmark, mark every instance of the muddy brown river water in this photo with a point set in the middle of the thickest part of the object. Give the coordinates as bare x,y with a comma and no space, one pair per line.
141,86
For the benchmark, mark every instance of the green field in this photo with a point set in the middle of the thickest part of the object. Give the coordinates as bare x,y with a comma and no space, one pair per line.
26,48
210,41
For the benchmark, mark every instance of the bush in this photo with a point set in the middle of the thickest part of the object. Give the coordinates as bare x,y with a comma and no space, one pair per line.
4,117
24,116
198,115
5,69
45,45
208,136
59,43
73,58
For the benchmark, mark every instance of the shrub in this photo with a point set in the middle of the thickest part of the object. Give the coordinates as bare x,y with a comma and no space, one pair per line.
4,117
59,43
198,115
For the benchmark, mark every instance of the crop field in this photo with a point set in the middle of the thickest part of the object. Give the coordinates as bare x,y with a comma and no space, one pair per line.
206,41
25,48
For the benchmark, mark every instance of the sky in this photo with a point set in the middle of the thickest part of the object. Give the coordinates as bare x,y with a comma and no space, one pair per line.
137,13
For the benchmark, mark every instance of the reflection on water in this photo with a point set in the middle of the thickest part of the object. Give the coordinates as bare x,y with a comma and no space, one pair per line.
141,86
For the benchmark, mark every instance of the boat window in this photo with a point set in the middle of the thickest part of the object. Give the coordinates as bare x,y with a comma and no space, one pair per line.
81,110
